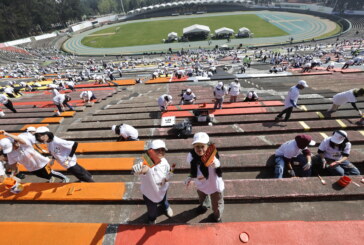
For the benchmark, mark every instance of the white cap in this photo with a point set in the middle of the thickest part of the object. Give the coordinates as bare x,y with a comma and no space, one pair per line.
188,90
113,127
83,93
339,136
200,137
42,129
250,95
220,84
31,129
157,144
303,83
7,145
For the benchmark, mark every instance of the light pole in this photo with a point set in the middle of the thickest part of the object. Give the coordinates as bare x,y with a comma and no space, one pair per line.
122,6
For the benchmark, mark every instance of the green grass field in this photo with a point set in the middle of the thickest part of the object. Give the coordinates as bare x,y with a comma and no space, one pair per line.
152,32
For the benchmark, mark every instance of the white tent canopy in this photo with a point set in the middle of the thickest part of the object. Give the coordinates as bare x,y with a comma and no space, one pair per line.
244,30
224,30
172,35
196,28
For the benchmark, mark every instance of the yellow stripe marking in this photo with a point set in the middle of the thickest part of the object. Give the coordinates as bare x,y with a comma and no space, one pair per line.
341,123
324,135
362,132
304,107
304,125
320,115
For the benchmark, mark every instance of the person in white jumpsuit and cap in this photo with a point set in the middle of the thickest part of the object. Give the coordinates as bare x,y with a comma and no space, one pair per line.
19,149
219,94
7,103
234,90
334,153
61,100
30,135
164,101
126,132
64,152
208,180
251,96
154,182
188,97
350,96
291,100
87,96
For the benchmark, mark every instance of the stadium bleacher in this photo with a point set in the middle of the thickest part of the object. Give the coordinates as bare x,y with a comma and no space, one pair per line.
246,135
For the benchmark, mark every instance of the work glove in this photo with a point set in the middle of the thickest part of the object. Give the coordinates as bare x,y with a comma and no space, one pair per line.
307,166
291,173
67,162
216,163
137,168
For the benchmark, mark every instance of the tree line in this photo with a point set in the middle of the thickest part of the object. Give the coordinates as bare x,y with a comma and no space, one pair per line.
25,18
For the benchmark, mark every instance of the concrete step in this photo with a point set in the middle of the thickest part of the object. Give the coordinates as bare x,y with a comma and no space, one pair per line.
184,213
242,190
218,120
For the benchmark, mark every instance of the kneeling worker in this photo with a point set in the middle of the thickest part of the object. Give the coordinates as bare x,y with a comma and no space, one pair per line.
126,132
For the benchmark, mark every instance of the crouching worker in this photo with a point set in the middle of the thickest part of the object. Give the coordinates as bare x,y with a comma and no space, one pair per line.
334,153
154,174
87,96
206,173
64,152
188,98
18,149
164,101
294,151
251,96
61,100
126,132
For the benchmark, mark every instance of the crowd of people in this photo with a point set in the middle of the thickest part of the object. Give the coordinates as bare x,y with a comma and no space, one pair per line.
332,157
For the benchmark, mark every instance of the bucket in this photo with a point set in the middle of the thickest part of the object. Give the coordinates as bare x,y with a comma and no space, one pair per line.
344,181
